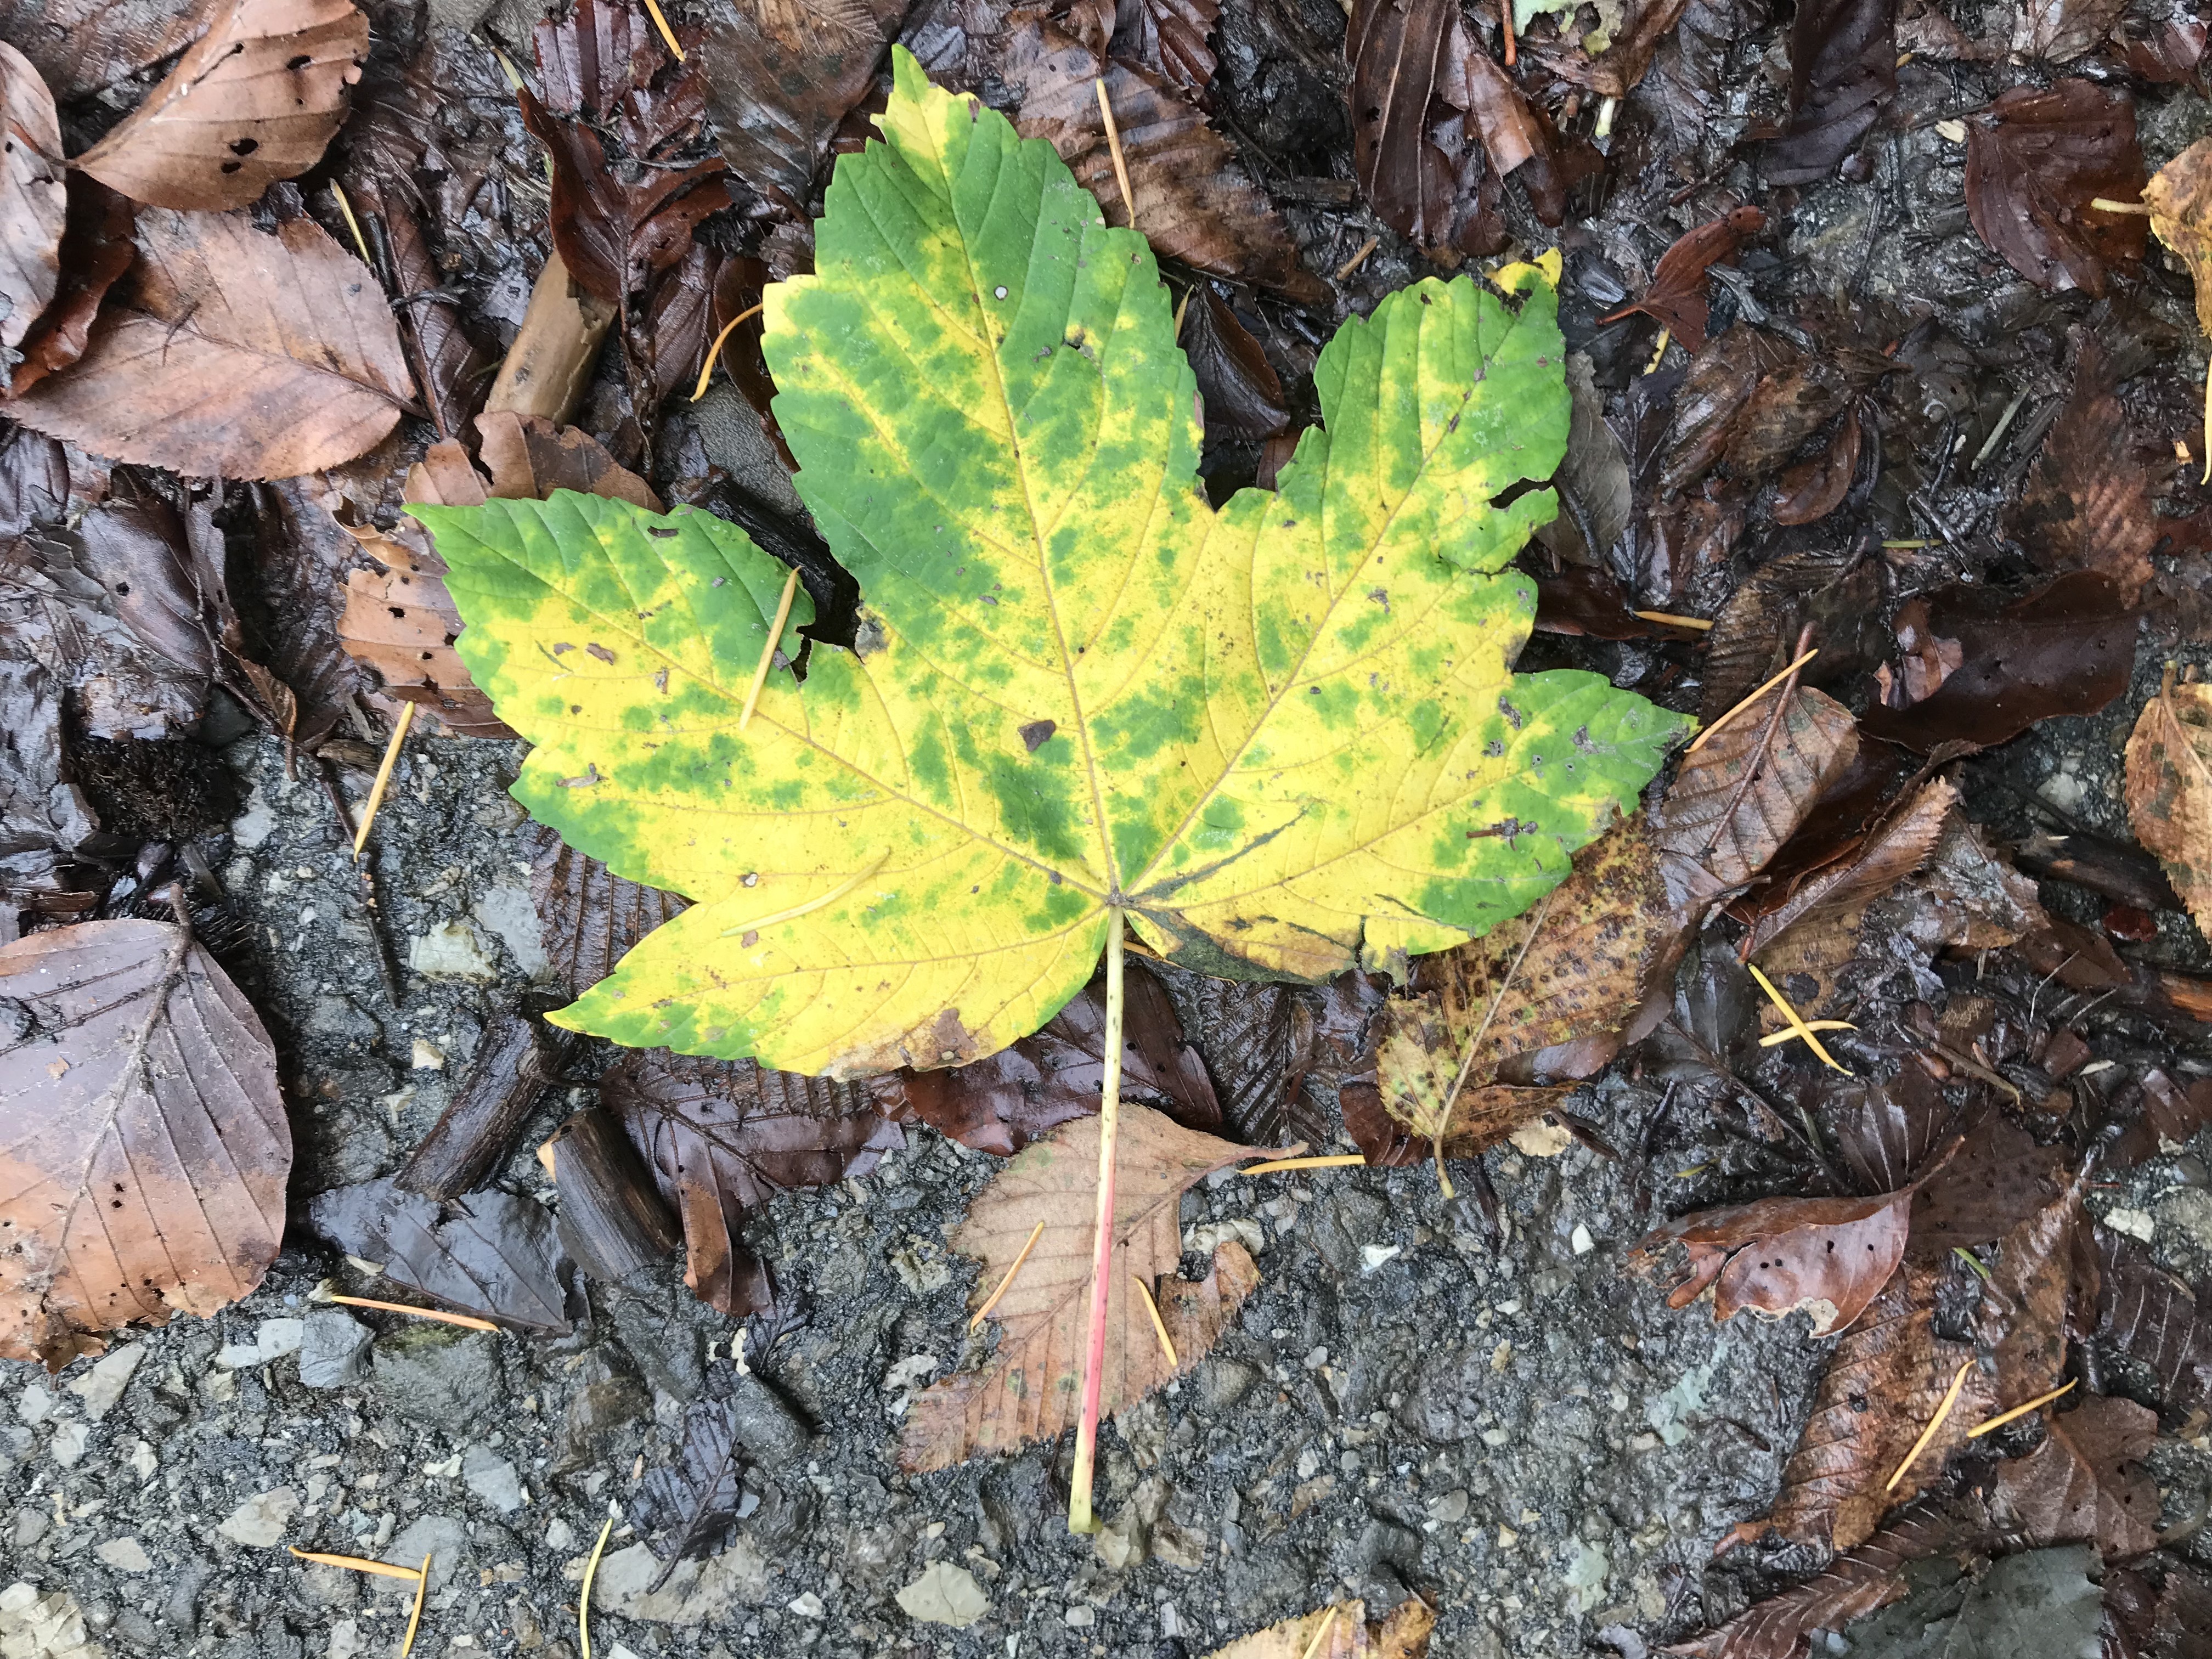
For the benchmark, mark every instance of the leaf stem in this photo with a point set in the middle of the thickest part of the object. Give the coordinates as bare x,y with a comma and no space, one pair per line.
1079,1517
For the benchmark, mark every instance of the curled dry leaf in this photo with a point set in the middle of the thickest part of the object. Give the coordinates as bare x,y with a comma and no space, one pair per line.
32,198
1029,1390
491,1254
1676,297
97,249
1843,69
2034,162
1830,1256
589,916
147,1147
2169,788
233,353
1341,1630
255,99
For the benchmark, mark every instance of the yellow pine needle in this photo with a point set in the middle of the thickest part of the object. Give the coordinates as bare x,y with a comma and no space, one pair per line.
584,1601
1907,546
768,651
1159,1325
1006,1283
1772,1038
1334,1161
1706,736
1798,1028
1113,143
414,1614
1968,1257
2003,1418
1182,306
515,81
812,905
352,224
2207,478
2105,204
438,1314
1358,258
707,369
1950,1398
1672,621
1328,1618
383,776
666,33
354,1564
1659,352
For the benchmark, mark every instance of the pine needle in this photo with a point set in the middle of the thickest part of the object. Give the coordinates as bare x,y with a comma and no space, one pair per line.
767,651
439,1314
1672,621
1505,17
352,224
584,1601
1358,259
1334,1161
1706,736
1159,1325
2003,1418
992,1301
383,776
1950,1398
1113,143
1659,351
1328,1618
1182,306
414,1615
1798,1028
707,369
666,33
1774,1039
354,1564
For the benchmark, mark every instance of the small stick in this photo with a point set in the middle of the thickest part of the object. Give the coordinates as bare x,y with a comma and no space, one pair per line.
354,1564
1334,1161
383,776
415,1617
1358,259
352,224
1505,17
1079,1516
1798,1028
1950,1398
439,1314
768,651
1672,621
1705,736
707,369
1444,1121
1159,1325
1328,1618
2207,478
1774,1039
992,1300
2003,1418
1113,143
584,1601
666,33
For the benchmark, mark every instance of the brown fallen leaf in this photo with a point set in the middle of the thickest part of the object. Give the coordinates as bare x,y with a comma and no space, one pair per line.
491,1254
2169,788
589,916
32,200
1243,394
2035,160
1029,1390
1890,853
1755,635
96,249
1413,97
2151,1316
1843,71
2088,504
84,46
2088,1481
147,1143
2179,198
1341,1630
2060,31
233,353
1168,37
781,77
1676,298
530,458
255,99
1830,1256
1630,46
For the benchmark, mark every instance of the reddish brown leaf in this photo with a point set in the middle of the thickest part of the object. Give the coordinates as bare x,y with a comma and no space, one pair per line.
781,77
2087,504
32,199
1886,857
590,916
233,354
1029,1388
1813,490
1243,395
1755,635
97,249
2086,1483
720,1136
1168,37
1714,394
529,459
147,1144
1830,1256
2033,163
255,99
1676,297
1843,69
1414,93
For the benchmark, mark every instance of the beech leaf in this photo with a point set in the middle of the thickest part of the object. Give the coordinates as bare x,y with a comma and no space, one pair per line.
2169,788
32,197
147,1147
2035,161
1830,1256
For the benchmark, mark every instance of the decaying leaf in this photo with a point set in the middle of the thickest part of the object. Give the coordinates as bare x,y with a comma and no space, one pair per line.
2146,1314
1830,1256
1243,394
2034,162
2088,504
147,1147
1843,69
2169,785
32,198
96,249
988,778
1891,853
720,1137
2086,1483
781,78
491,1254
1341,1630
1612,57
82,46
589,916
1676,297
1029,1387
233,353
687,1507
1414,146
2181,213
2060,31
530,458
254,99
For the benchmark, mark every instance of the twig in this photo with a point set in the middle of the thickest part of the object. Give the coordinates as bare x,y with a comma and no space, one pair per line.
1334,1161
1345,270
2003,1418
1114,144
1798,1028
1467,1063
354,1564
1950,1398
414,1614
1706,736
1159,1325
468,1321
584,1601
352,224
1973,1068
992,1300
1505,17
707,369
666,33
768,651
1079,1516
1671,620
383,777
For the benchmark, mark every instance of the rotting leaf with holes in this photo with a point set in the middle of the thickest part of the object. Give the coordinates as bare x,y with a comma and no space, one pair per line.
2086,1483
1413,100
254,99
2169,788
33,203
2088,504
1830,1256
147,1144
492,1255
1341,1630
1030,1388
2035,161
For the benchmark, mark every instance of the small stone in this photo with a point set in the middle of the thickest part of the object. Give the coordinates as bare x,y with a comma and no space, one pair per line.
331,1343
346,1640
238,1356
126,1555
1081,1617
453,950
1585,1576
1448,1509
945,1595
35,1404
697,1593
142,1461
28,1527
506,909
259,1523
43,1626
440,1537
428,1056
808,1606
1580,1240
2135,1224
101,1387
437,1374
560,1536
1507,1538
1541,1138
1372,1256
491,1479
68,1445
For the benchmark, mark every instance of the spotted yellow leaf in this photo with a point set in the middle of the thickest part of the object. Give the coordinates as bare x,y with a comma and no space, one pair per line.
1283,738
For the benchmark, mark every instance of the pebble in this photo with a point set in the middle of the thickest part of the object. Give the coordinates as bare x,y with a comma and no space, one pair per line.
1081,1617
427,1056
126,1555
2135,1224
273,1338
102,1387
42,1626
1580,1240
945,1595
332,1343
697,1593
506,910
35,1404
440,1537
454,949
260,1520
1372,1256
808,1606
492,1479
69,1444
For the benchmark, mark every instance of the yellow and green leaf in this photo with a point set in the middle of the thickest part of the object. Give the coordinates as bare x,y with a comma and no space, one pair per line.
1285,737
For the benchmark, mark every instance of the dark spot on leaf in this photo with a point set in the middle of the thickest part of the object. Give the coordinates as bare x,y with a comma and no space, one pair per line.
1034,733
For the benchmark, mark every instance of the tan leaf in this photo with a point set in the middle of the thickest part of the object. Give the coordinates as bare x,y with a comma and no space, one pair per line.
234,354
255,99
2169,789
1340,1630
2179,198
146,1145
529,458
33,203
1828,1255
1029,1387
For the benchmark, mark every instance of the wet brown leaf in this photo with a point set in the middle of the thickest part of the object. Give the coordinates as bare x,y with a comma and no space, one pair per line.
530,458
299,550
2087,504
2086,1483
1168,37
1030,1388
1843,69
255,99
1414,139
1612,73
1021,1093
2000,1179
82,46
1892,853
97,249
2169,788
1341,1630
32,198
590,916
1265,1043
147,1147
232,353
1830,1256
2148,1315
1717,389
1755,635
1812,489
2060,31
2035,160
781,76
1243,395
1676,297
720,1136
492,1255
